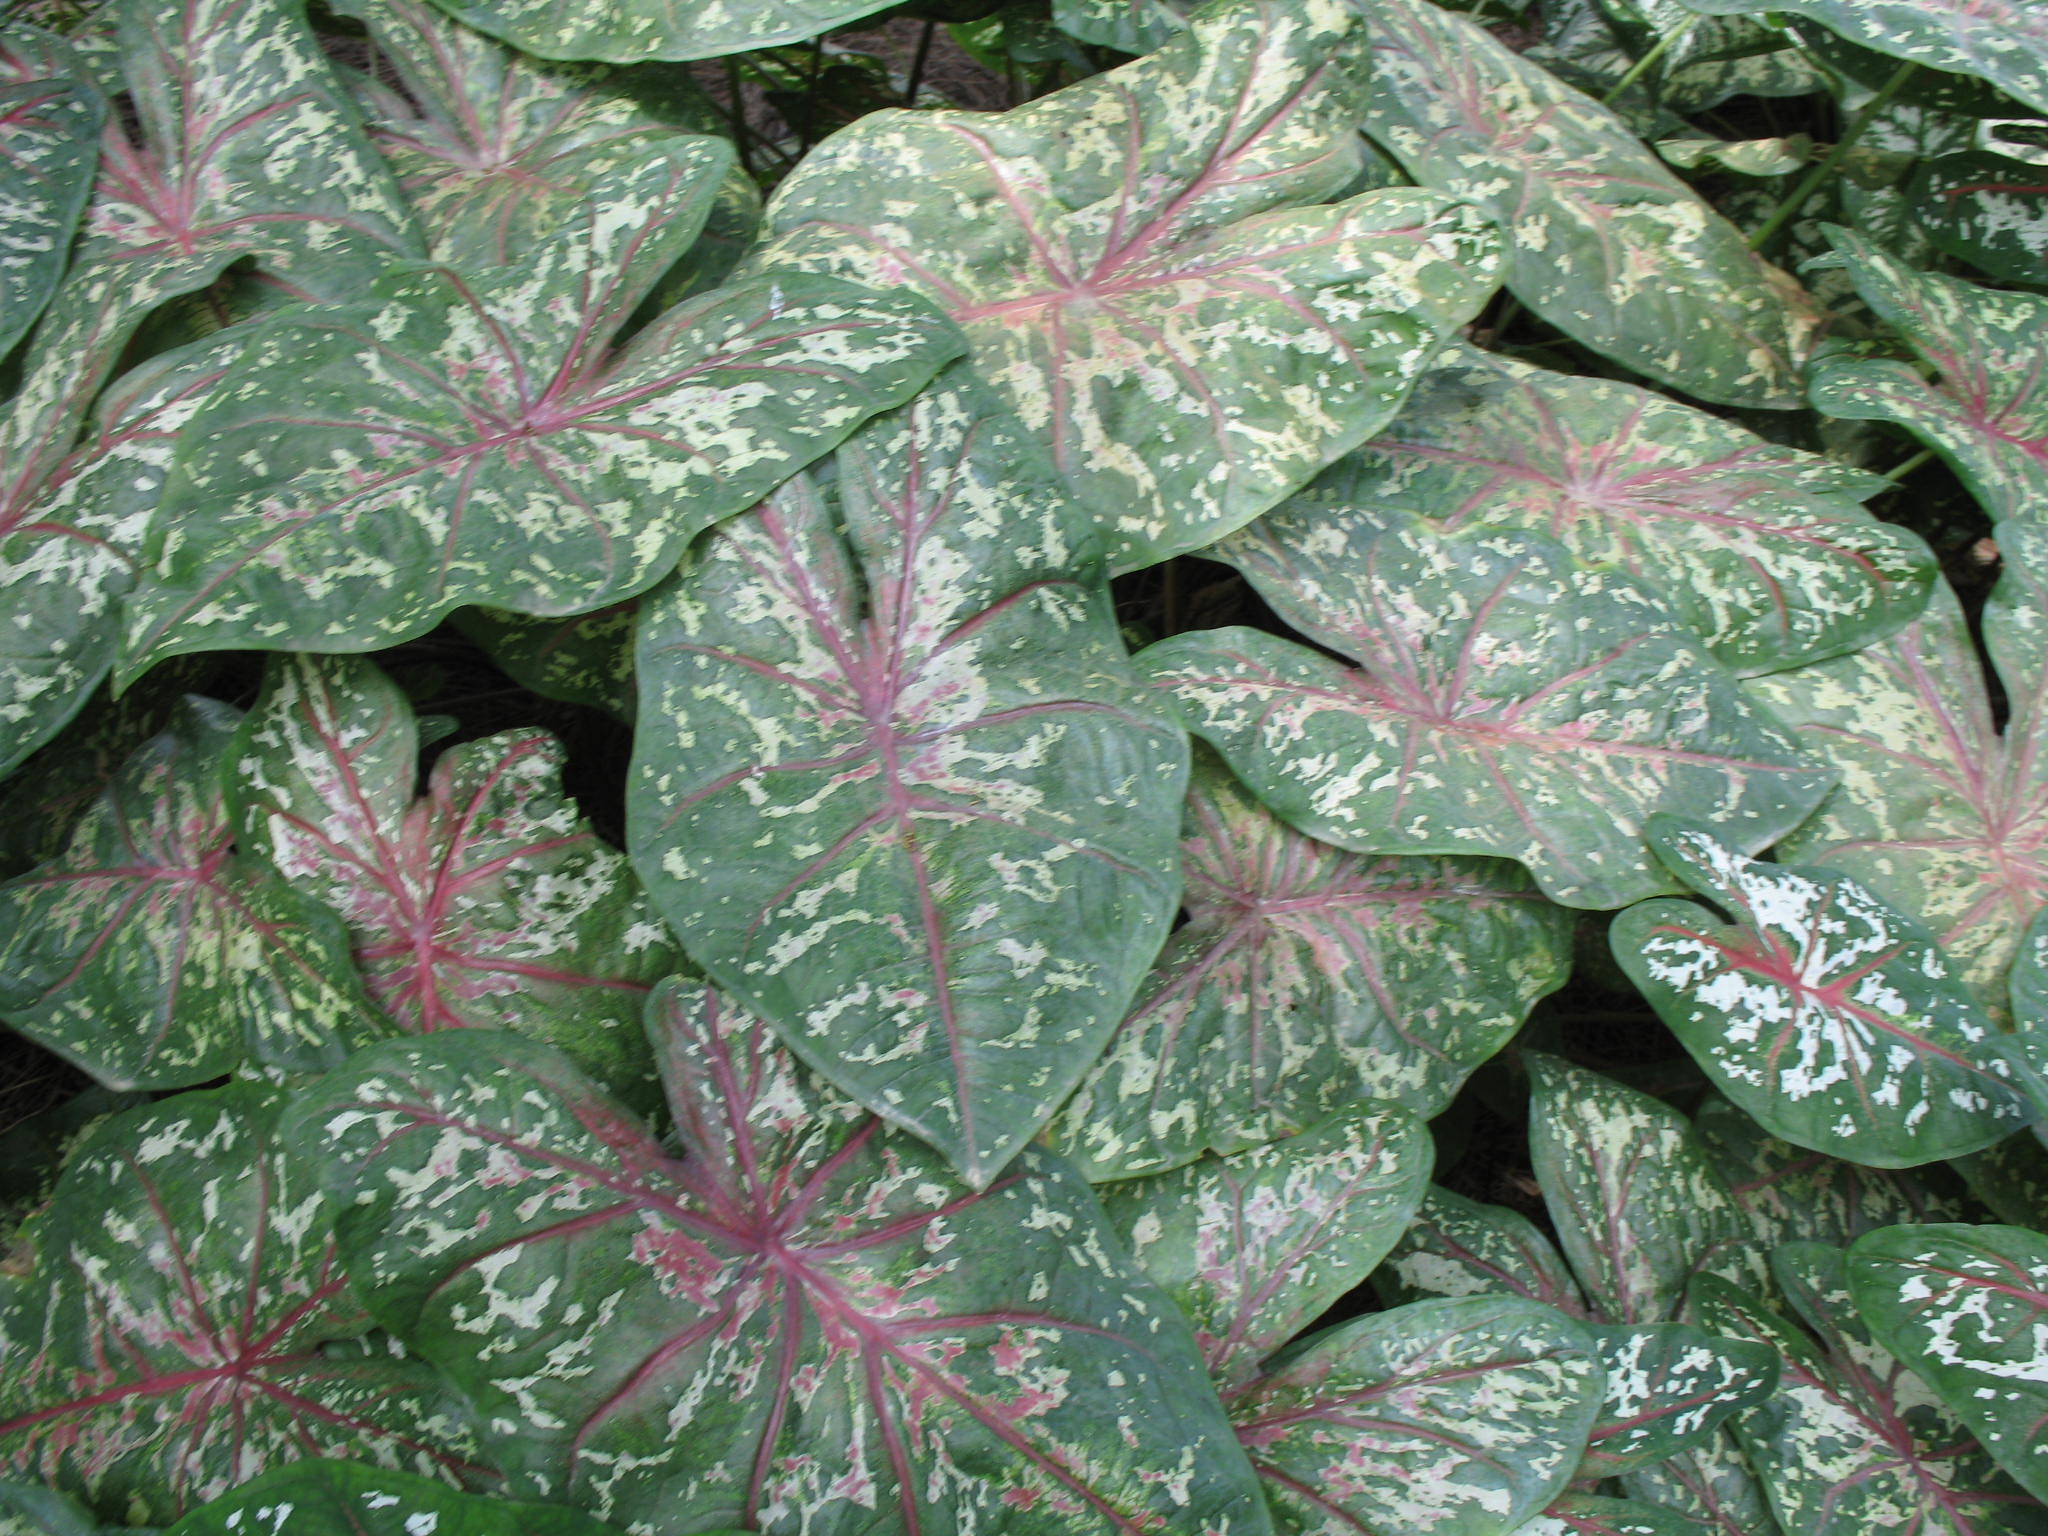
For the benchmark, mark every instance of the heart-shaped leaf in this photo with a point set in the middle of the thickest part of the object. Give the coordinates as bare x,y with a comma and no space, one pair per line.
366,468
804,1324
496,151
1305,977
1459,1247
1986,410
245,148
154,955
1638,1206
486,903
183,1323
1936,814
1967,1308
1987,209
50,119
903,691
1143,283
1761,549
1852,1442
587,659
1668,1386
1606,244
629,31
1463,1417
1255,1245
1829,1017
1511,702
346,1498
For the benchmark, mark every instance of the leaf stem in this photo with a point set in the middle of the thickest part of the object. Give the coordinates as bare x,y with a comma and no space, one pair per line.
1816,178
739,113
924,52
1900,471
1649,61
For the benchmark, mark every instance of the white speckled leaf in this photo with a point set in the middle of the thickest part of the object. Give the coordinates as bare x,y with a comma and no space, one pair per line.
155,955
1967,1308
496,151
1852,1442
346,1498
183,1323
1255,1245
1669,1386
487,902
1987,209
584,659
2009,1180
1305,977
49,151
628,31
1829,1017
1936,814
367,468
1129,26
902,691
1459,1247
1457,1418
2003,41
1137,276
803,1324
1638,1206
1511,702
1986,410
1762,550
1607,245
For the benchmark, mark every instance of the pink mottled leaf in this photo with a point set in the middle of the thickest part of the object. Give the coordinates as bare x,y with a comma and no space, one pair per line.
50,119
805,1323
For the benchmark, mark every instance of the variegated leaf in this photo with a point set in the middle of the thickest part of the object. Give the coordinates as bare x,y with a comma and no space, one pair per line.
1986,410
1638,1206
902,690
1143,283
1762,550
347,1498
1987,209
366,468
1459,1247
1668,1387
184,1324
805,1324
1829,1017
1587,1514
628,31
1461,1417
497,151
1789,1194
245,149
27,1509
1967,1308
2002,41
154,955
486,903
1256,1245
2010,1181
585,659
1129,26
1303,978
1936,814
1851,1442
1606,244
50,119
1511,702
1711,1485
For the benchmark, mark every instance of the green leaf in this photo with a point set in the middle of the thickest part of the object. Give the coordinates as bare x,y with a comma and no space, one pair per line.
346,1498
1829,1017
586,659
1937,815
367,468
486,903
803,1324
1459,1247
183,1323
2009,1180
629,31
1762,550
1511,702
50,119
902,690
154,955
1586,1514
1303,978
1668,1386
1129,26
1143,284
1986,411
1710,1485
495,151
1606,244
1989,210
1967,1308
1638,1206
1255,1245
1462,1418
